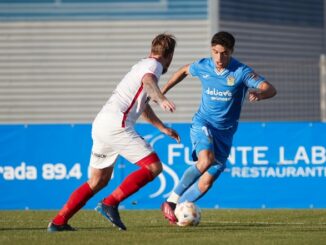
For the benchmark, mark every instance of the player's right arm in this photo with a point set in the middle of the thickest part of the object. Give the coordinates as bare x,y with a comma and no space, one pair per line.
150,85
177,77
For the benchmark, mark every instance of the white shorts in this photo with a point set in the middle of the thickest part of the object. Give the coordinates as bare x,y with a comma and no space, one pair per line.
111,140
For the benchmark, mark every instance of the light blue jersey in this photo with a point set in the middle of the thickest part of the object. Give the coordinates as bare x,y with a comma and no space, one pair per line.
216,120
222,93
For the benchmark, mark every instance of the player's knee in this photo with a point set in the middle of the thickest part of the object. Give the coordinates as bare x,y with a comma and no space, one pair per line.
155,168
98,183
204,163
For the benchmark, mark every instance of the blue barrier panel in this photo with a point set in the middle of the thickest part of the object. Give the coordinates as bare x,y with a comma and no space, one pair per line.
271,165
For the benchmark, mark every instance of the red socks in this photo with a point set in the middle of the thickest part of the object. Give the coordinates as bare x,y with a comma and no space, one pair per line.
76,201
130,185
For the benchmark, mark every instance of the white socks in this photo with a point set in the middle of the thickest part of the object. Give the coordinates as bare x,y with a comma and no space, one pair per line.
173,198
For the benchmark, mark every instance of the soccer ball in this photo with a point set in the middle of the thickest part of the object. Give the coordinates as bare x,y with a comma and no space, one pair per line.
187,213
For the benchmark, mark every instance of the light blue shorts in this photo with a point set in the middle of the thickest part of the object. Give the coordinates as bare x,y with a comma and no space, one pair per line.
219,141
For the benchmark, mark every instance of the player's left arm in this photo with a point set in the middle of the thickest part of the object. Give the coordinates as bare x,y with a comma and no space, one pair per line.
265,91
150,116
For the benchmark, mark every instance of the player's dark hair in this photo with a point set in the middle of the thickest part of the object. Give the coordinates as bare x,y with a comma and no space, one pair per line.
163,44
223,38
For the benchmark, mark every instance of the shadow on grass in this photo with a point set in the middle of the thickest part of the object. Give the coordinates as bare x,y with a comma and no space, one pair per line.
22,229
45,229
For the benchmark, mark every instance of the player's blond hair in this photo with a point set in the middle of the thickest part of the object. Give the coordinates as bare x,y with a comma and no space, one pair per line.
163,44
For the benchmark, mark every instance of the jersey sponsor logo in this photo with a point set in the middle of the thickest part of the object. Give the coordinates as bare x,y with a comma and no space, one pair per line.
219,95
230,81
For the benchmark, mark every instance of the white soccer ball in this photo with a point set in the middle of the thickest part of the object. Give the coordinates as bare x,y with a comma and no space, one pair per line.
187,213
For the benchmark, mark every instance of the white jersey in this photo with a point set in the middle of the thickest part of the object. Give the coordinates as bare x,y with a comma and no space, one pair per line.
129,99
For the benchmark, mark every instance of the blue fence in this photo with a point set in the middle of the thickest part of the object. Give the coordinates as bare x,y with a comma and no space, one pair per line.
271,165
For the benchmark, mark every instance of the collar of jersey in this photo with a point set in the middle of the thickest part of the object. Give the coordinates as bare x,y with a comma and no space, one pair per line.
225,70
220,73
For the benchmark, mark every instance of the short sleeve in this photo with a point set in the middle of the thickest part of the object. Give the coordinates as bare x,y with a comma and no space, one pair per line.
251,78
154,67
193,69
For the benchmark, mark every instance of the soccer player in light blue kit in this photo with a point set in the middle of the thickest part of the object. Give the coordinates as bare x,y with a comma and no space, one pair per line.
225,82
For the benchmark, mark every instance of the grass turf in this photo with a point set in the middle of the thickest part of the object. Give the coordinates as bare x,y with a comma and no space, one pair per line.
224,226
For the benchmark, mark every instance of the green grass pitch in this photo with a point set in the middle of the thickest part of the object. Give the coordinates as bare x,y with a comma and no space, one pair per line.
221,226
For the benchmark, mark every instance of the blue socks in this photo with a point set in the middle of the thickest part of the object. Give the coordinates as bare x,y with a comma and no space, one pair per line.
189,177
187,189
192,194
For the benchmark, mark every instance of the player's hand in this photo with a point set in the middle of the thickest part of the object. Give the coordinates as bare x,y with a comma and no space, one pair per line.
167,105
172,133
254,95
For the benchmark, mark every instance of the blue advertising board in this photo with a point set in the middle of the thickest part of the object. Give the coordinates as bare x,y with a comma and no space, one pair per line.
271,165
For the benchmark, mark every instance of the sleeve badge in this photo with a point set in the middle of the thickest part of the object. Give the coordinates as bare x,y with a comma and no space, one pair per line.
254,75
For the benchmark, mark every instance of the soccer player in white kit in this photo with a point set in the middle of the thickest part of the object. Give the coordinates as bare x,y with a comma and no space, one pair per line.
113,134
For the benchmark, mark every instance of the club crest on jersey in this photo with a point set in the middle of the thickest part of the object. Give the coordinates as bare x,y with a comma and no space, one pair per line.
230,80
